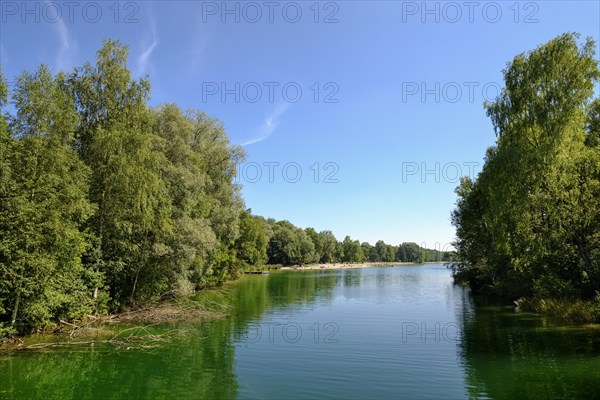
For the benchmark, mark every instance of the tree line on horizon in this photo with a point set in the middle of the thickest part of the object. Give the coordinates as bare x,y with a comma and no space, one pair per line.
106,203
528,227
268,242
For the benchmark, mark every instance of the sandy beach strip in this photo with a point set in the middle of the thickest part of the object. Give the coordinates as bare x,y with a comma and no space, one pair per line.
346,265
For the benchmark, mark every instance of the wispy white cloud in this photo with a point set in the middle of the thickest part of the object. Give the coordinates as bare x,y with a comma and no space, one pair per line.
144,58
269,125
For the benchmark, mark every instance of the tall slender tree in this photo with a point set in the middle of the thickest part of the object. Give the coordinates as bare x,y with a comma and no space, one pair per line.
116,141
529,224
44,207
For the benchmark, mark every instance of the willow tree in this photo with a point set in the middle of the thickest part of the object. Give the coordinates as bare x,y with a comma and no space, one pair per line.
290,245
222,195
317,242
352,250
253,240
6,149
5,141
198,168
328,248
530,220
44,207
116,141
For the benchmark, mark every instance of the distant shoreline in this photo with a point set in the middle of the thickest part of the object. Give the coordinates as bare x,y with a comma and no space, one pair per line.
355,265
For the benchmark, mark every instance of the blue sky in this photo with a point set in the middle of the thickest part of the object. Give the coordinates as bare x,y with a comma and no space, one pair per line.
378,104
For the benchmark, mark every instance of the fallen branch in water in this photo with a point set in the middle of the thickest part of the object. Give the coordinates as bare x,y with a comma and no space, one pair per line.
97,329
139,341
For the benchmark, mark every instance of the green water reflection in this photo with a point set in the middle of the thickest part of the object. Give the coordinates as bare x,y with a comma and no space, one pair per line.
521,356
494,353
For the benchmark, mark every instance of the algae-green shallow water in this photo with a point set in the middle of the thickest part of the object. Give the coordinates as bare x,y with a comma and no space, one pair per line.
375,333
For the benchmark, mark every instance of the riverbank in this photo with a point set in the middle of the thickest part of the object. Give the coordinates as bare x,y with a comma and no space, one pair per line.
575,311
142,327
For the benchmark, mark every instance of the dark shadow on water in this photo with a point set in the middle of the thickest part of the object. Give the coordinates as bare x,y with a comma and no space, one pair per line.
526,356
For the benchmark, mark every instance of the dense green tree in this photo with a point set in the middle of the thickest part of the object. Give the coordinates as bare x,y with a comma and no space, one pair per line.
352,250
400,253
6,142
317,242
412,252
390,253
252,243
192,239
380,250
529,224
384,252
6,191
44,205
592,126
222,195
329,249
197,170
116,141
369,252
290,245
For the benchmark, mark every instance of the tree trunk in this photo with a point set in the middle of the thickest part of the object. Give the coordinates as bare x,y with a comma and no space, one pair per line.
137,274
16,309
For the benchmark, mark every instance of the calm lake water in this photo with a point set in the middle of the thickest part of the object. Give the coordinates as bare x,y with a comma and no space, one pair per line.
374,333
